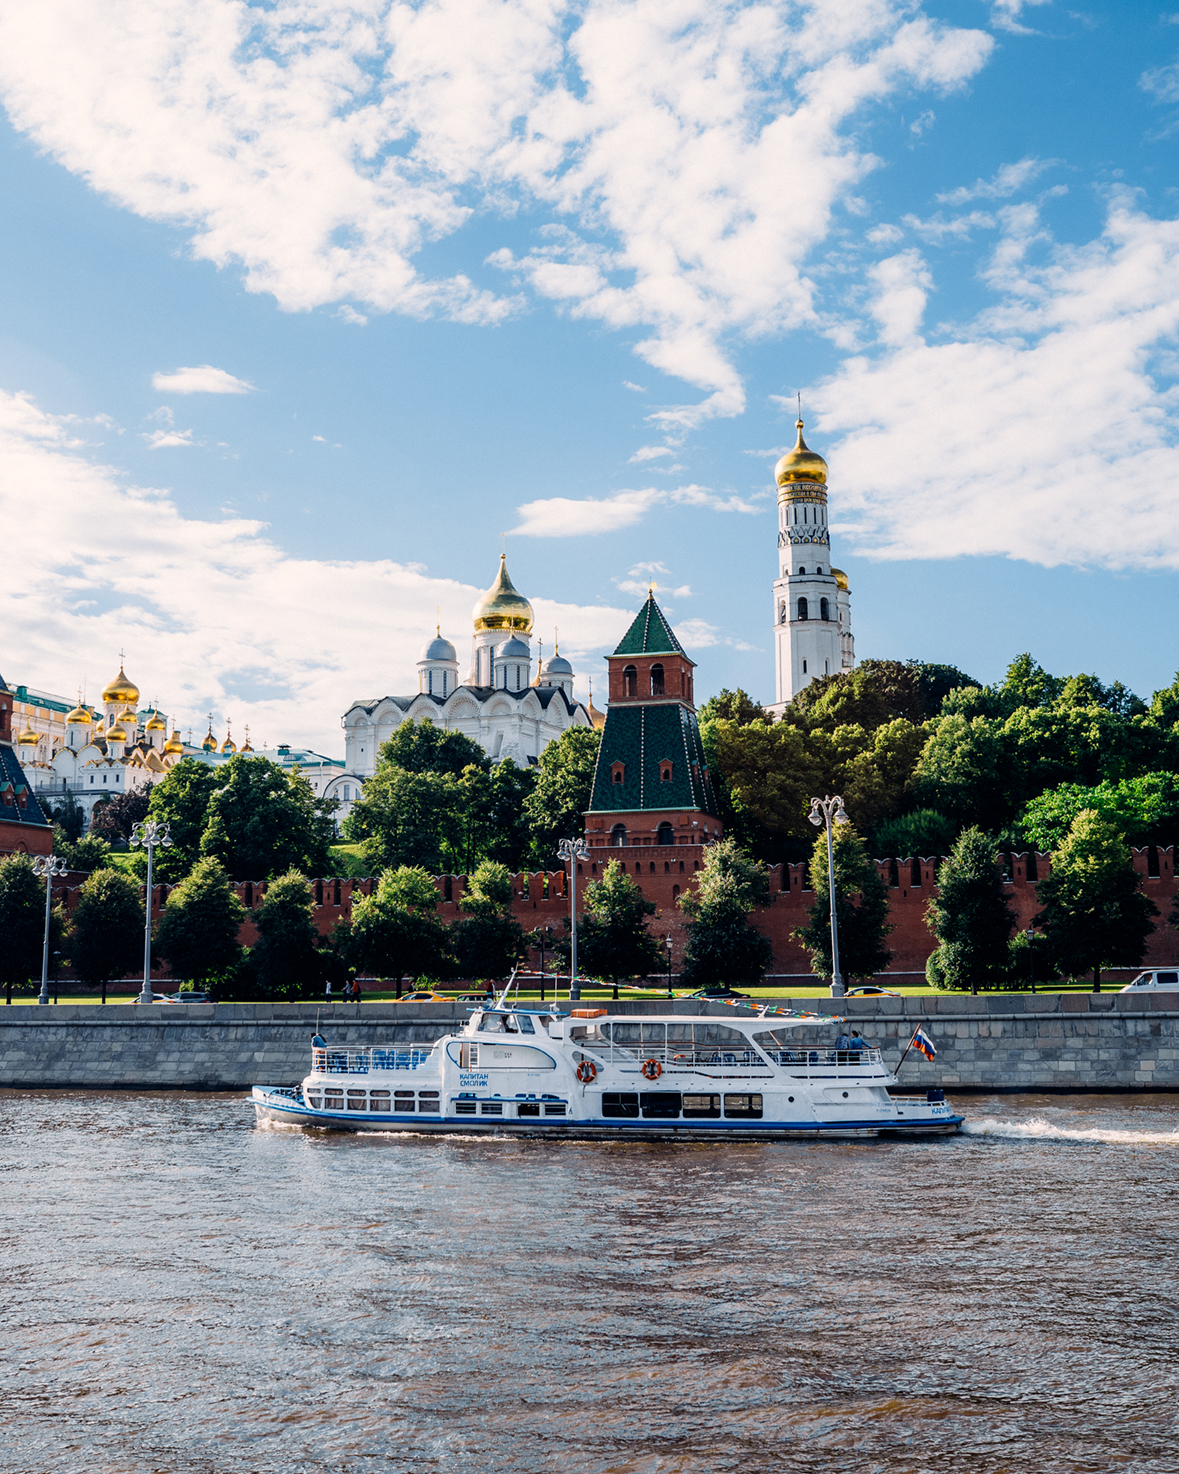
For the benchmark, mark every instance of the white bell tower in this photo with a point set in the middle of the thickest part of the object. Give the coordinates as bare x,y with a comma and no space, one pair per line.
812,602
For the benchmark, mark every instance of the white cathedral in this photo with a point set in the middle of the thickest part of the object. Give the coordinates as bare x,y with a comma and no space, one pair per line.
501,705
812,601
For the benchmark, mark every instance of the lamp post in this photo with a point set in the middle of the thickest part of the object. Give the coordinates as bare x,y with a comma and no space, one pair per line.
570,851
50,867
667,944
149,834
830,811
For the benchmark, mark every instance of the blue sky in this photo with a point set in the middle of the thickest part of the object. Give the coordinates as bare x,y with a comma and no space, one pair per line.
445,271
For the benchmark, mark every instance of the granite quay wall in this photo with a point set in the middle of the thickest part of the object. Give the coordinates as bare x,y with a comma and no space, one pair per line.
1009,1042
542,900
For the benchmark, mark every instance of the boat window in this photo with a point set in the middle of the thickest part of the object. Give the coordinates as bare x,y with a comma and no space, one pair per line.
404,1100
556,1108
465,1107
524,1024
663,1105
333,1095
702,1107
710,1033
427,1095
491,1108
493,1023
357,1100
315,1101
743,1107
620,1103
378,1100
528,1108
628,1036
654,1034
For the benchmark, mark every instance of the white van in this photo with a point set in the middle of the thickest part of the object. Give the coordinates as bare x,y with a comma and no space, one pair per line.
1168,981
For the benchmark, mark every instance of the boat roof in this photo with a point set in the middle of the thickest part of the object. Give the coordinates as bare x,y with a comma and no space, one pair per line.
771,1016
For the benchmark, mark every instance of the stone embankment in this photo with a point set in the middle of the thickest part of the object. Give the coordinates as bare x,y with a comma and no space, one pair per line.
1009,1042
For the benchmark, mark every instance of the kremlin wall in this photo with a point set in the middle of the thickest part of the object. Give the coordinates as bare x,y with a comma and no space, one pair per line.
542,900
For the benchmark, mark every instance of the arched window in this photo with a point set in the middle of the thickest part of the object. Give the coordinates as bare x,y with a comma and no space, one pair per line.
618,773
782,612
618,834
675,890
630,681
802,609
665,771
915,872
656,680
824,612
652,867
665,834
430,682
802,570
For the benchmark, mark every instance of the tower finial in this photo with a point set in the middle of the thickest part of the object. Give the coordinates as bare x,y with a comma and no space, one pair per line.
798,422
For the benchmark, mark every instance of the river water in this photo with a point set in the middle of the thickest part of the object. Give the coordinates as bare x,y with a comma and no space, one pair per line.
186,1293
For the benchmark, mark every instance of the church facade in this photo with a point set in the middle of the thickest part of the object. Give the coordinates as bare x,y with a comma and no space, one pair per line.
812,600
499,704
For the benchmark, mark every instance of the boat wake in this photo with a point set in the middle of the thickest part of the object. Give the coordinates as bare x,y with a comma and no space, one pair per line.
1040,1130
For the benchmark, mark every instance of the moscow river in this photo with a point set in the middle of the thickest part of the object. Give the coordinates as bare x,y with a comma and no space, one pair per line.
185,1293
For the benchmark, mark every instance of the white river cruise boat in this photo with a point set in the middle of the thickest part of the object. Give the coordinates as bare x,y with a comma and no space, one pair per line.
585,1073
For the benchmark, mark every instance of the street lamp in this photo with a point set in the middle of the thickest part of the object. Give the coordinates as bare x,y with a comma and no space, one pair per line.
667,944
149,834
830,811
570,851
50,867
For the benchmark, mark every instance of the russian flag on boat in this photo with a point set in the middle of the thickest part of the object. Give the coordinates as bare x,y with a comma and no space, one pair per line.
923,1043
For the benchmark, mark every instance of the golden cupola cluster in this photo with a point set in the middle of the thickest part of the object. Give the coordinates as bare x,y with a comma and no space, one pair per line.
503,607
800,471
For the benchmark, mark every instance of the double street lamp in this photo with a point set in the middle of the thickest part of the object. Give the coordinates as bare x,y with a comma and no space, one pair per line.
49,867
569,851
149,834
830,811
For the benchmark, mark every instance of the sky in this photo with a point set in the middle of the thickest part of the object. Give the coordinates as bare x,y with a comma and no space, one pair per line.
308,309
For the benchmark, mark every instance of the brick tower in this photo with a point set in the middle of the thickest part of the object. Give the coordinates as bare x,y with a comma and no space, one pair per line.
651,785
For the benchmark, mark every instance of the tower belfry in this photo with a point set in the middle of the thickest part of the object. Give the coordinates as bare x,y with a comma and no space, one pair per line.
812,601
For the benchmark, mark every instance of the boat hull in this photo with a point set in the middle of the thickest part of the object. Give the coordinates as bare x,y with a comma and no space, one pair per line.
277,1106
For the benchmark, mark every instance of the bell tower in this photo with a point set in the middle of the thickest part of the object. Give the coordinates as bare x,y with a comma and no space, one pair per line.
812,601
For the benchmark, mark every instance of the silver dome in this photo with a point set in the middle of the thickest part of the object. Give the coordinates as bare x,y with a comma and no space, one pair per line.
558,666
438,649
513,649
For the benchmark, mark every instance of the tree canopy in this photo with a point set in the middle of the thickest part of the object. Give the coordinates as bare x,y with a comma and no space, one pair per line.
115,819
263,821
198,930
22,920
613,942
861,909
285,961
105,939
395,932
561,794
722,945
489,941
970,916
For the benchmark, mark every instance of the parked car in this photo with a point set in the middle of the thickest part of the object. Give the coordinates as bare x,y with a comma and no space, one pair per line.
717,993
472,998
871,992
1160,981
190,996
423,997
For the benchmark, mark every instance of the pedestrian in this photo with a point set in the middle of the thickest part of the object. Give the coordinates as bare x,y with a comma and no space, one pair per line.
327,990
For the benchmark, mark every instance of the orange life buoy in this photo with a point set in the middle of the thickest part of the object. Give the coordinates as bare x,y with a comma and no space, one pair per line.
587,1072
652,1069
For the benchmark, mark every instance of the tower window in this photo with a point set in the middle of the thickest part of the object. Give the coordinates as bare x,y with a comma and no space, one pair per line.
665,771
803,612
656,680
665,834
802,570
618,773
804,667
618,834
824,611
630,681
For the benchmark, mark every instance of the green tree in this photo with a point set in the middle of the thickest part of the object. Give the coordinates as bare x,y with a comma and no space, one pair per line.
105,939
395,932
613,942
285,961
22,922
423,747
489,941
874,693
1144,809
497,817
262,821
861,909
964,772
1094,913
730,706
970,916
67,817
554,809
198,930
723,948
87,854
181,800
407,818
922,832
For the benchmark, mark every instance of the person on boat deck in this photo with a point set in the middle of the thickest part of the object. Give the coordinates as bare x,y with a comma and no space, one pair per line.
843,1042
855,1042
318,1041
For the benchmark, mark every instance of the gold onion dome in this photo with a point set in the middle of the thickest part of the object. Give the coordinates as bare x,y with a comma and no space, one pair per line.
210,742
156,723
79,716
116,733
503,607
121,689
28,738
245,747
174,743
840,579
801,464
229,745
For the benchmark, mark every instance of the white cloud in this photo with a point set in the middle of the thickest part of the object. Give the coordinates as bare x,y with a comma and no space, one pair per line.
205,379
1046,430
651,452
645,576
212,614
885,235
350,315
1008,180
688,157
1005,15
561,516
162,439
634,388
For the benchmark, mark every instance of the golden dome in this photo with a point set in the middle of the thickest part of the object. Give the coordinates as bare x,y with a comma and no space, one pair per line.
174,743
502,607
121,689
801,464
28,738
210,742
156,723
79,716
116,733
229,745
840,579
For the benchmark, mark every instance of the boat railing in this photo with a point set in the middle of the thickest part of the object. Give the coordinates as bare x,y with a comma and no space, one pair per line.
367,1061
684,1057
